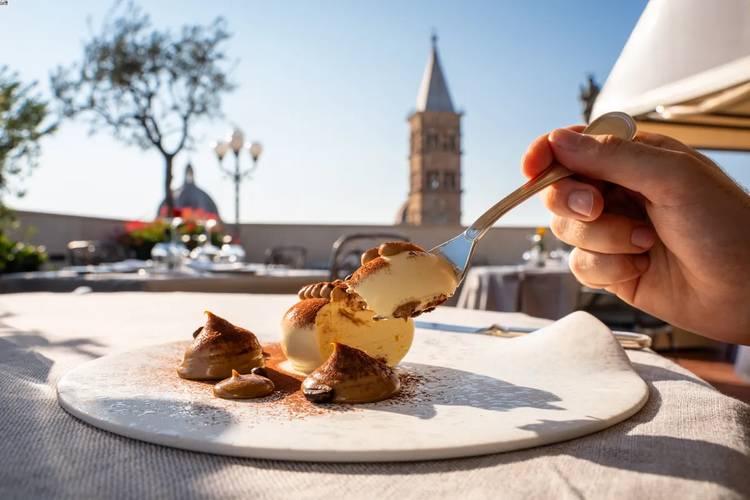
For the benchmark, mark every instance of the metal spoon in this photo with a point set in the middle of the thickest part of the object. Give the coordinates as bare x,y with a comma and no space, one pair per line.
460,250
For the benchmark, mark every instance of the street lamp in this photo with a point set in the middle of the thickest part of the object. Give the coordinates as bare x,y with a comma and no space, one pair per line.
235,143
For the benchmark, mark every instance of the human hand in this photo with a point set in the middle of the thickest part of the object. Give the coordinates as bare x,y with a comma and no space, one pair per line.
654,222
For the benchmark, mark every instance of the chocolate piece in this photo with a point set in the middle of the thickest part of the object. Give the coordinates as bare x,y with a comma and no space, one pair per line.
240,386
317,393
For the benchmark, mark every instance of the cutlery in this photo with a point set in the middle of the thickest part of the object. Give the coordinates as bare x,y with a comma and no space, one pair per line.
628,340
460,250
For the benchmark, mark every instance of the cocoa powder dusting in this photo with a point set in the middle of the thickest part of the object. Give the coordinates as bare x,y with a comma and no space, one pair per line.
287,401
288,394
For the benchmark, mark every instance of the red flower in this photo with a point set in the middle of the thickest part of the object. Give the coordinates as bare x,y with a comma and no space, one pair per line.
135,225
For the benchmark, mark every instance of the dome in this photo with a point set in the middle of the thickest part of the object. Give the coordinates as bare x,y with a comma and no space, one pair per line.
191,196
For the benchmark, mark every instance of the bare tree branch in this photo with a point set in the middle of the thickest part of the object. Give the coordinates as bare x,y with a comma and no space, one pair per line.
147,86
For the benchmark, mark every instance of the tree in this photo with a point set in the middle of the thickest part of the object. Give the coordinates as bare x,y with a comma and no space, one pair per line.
23,121
147,86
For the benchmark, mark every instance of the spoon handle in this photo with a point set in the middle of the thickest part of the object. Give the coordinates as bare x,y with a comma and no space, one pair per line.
615,123
549,176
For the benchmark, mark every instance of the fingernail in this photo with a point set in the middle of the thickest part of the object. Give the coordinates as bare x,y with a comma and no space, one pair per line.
641,262
565,139
643,237
581,202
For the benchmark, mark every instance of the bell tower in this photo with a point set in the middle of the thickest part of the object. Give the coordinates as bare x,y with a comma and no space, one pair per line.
435,152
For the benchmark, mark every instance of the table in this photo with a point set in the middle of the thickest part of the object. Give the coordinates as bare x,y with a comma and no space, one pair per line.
547,292
269,281
689,441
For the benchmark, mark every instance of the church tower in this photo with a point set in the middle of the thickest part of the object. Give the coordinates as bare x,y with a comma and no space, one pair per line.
435,152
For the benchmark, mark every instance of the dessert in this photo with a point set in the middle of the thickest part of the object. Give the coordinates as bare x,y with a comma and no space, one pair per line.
240,386
349,375
328,314
218,348
402,280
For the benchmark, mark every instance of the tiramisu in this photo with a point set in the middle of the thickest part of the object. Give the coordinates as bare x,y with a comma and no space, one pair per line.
328,314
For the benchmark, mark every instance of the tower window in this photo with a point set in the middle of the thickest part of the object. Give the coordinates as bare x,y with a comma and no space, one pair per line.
432,141
433,180
451,143
449,180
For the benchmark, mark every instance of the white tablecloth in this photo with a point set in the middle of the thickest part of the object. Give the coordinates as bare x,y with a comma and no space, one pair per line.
689,441
546,292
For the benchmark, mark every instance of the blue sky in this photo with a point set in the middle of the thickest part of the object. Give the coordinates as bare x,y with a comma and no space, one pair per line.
326,87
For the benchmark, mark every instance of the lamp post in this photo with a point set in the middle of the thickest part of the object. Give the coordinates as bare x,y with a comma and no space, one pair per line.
236,143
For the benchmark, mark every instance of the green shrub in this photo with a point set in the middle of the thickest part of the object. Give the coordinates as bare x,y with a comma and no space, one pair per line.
16,256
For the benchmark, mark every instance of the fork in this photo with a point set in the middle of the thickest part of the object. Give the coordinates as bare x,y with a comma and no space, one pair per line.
460,249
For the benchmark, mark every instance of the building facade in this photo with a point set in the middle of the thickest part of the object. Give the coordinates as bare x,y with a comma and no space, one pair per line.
434,153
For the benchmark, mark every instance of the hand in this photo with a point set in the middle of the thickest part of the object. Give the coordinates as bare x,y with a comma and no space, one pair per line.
654,222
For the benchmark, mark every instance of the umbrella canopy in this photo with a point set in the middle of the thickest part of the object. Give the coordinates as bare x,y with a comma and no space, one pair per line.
685,72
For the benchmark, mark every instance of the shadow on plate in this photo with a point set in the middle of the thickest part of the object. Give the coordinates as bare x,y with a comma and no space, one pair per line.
440,386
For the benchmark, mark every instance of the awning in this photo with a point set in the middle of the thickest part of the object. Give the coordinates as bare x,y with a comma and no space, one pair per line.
685,72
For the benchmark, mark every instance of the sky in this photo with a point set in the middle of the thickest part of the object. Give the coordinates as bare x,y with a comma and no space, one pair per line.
326,87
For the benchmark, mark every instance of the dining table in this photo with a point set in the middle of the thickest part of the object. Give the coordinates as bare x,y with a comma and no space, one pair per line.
549,291
688,441
248,278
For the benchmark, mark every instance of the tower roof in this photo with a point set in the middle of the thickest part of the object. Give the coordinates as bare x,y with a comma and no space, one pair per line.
433,93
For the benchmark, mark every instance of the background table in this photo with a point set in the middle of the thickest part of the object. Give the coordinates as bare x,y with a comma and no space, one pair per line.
689,441
546,292
269,281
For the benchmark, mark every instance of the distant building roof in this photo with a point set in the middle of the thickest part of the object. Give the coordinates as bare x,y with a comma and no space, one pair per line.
433,93
191,196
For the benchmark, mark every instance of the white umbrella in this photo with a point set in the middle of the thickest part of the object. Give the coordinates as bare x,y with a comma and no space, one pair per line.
685,72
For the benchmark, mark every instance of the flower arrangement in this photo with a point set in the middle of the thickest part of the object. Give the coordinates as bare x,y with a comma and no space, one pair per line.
537,254
139,237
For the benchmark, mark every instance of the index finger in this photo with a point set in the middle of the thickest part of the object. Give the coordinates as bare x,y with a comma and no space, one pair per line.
539,155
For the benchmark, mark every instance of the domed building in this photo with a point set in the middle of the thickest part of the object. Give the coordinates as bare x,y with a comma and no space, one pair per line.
191,197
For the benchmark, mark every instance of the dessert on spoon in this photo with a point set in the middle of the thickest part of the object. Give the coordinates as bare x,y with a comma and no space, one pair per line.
402,280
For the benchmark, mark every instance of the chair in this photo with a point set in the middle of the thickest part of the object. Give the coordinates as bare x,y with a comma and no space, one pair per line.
292,256
93,252
616,314
344,261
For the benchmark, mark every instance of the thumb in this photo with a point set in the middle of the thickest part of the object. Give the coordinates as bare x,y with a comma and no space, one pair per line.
651,171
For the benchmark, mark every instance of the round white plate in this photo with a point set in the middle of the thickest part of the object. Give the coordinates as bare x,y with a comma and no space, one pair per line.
478,395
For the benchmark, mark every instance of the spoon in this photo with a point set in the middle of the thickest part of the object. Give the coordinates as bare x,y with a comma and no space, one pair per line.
460,250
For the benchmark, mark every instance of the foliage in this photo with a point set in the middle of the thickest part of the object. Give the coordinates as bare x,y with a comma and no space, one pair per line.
22,123
147,86
19,257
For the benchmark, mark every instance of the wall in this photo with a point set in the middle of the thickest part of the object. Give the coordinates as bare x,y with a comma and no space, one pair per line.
501,245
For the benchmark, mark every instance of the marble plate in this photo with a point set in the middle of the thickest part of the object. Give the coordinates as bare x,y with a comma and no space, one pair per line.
469,395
